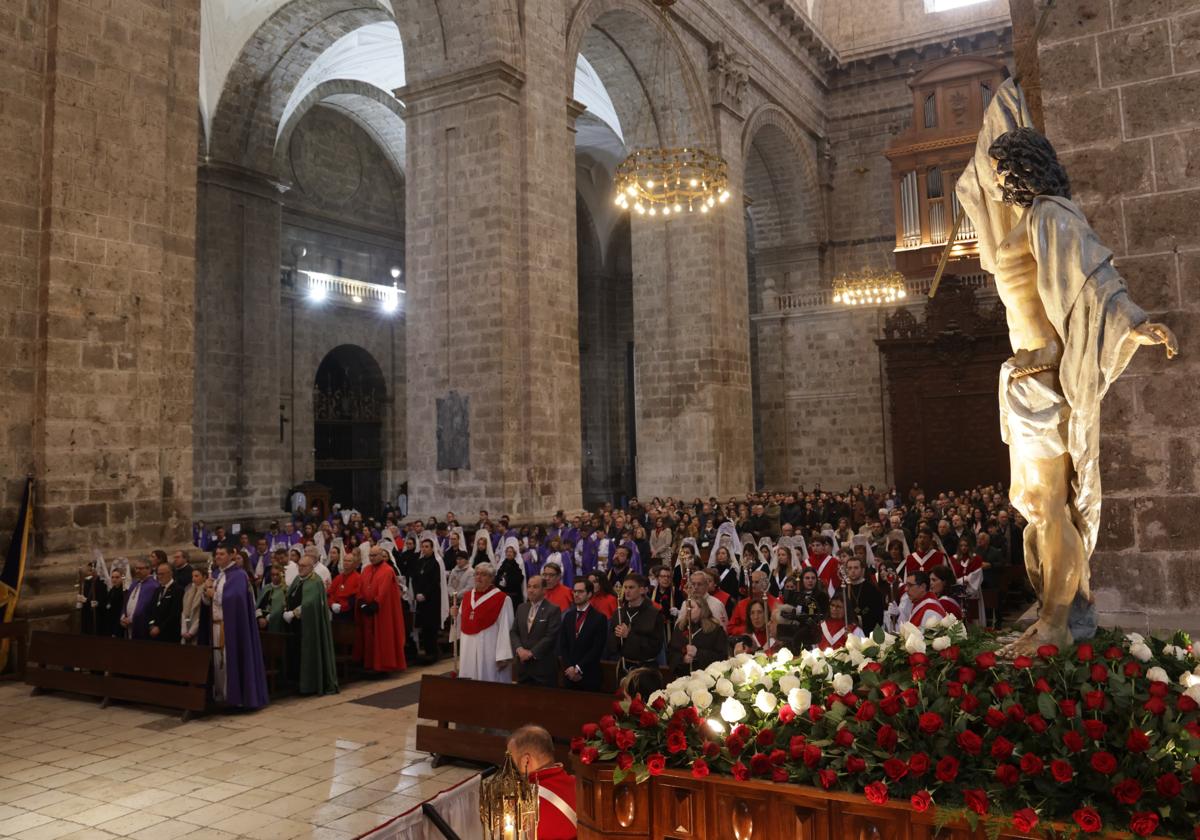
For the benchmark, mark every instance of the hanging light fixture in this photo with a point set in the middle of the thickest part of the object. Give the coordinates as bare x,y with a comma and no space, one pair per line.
508,804
869,286
671,179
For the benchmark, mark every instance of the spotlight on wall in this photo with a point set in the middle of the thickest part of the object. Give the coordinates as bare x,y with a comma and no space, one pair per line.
391,300
396,272
357,299
316,293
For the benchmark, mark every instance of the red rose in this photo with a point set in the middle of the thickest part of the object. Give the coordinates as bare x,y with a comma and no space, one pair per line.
1132,670
590,730
985,660
890,705
1042,686
699,768
876,793
1159,689
1037,723
735,745
1155,706
850,700
659,703
995,718
918,763
1073,740
921,801
609,735
844,738
577,745
607,722
1061,770
588,754
779,774
1113,652
711,749
815,713
655,763
1047,651
918,659
1186,704
647,719
1143,823
1001,748
812,755
1025,820
873,667
889,689
760,764
1168,786
1017,712
1093,700
1085,652
1095,729
1002,689
1087,819
1031,765
910,697
947,769
786,714
1193,729
969,703
951,653
626,738
1007,774
636,706
676,742
828,778
1127,792
624,760
977,800
740,772
966,675
778,757
954,689
866,712
1067,707
929,722
969,742
1137,741
796,746
1099,673
855,764
1022,662
919,672
1104,762
895,769
885,738
1196,774
765,738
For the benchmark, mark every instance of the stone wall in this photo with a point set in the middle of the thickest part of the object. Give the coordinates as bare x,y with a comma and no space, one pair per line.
869,27
1120,86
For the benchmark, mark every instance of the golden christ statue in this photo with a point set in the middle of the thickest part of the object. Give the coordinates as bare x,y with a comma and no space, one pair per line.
1073,329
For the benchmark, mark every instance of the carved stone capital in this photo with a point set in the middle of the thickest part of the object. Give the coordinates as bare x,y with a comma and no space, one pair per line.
728,76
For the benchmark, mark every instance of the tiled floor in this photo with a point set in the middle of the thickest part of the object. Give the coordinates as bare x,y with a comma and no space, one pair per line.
321,768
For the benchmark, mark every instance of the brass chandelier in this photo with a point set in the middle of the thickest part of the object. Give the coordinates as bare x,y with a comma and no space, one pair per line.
869,286
669,180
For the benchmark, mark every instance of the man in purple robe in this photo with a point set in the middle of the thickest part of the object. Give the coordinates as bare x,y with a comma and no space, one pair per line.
139,601
239,678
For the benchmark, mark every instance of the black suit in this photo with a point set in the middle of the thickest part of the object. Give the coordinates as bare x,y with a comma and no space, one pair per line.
541,640
584,648
166,613
426,575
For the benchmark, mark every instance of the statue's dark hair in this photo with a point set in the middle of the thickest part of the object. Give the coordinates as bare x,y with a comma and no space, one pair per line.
1030,167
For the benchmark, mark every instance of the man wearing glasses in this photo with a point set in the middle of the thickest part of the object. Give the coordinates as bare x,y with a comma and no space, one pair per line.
926,608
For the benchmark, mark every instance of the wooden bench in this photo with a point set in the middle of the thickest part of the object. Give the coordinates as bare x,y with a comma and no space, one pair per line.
274,651
16,633
494,711
157,674
344,633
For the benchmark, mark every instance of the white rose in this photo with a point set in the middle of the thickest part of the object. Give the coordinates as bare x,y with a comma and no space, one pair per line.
732,711
677,684
717,669
799,699
853,643
941,643
766,682
1135,638
843,683
906,629
1187,679
857,659
678,699
701,699
888,640
742,658
695,685
1157,674
724,687
765,701
789,681
1194,692
1140,652
737,676
783,657
751,672
915,643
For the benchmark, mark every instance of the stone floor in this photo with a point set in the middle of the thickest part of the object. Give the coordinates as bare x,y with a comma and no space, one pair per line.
322,768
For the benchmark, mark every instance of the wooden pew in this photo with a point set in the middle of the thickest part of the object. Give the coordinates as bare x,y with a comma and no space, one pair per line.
16,633
494,711
343,649
173,676
274,650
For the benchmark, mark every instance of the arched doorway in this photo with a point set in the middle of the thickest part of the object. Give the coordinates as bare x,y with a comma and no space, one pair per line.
349,399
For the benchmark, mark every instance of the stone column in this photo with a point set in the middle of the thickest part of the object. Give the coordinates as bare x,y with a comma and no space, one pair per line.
492,300
239,469
112,362
692,350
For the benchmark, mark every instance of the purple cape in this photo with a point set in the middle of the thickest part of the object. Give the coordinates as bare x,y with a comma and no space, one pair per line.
141,613
246,679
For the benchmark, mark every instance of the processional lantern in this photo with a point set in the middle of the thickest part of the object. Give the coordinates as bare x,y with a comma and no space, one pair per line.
508,805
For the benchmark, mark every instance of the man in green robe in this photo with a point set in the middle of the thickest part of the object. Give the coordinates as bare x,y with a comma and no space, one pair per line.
310,640
272,602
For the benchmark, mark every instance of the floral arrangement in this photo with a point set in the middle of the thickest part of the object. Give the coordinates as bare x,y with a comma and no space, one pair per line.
1102,737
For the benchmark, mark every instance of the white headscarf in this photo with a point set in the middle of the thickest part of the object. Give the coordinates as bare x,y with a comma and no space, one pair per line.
491,551
727,535
515,545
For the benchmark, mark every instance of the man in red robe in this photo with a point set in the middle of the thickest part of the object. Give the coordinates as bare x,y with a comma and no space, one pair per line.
344,589
532,751
379,643
485,649
927,609
835,628
926,558
822,560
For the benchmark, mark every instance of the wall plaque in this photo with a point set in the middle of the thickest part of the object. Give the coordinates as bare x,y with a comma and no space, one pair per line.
454,432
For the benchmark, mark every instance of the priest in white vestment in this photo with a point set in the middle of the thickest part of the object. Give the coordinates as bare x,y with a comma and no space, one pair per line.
483,621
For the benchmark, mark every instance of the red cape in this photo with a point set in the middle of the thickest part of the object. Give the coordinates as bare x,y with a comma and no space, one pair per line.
379,641
344,587
479,611
553,824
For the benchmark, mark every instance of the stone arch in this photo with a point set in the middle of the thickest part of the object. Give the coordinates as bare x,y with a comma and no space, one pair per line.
379,115
618,39
780,166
